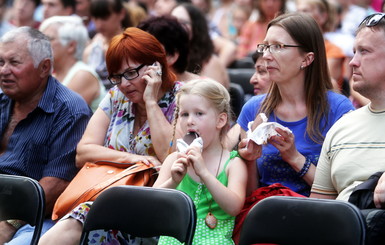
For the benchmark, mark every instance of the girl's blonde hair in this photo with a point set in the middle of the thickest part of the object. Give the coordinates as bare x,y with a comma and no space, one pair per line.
214,92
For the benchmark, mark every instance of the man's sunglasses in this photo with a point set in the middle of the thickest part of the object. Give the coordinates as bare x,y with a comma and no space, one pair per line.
373,19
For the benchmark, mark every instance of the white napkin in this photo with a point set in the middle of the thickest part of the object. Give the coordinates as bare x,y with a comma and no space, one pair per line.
182,146
264,130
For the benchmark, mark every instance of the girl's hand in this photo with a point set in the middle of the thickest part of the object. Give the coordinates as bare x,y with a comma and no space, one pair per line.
194,157
153,78
179,168
249,150
285,143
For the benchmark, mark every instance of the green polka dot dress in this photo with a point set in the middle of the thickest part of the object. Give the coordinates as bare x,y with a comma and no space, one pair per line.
222,233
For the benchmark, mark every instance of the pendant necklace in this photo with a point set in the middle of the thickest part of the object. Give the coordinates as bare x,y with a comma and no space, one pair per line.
210,220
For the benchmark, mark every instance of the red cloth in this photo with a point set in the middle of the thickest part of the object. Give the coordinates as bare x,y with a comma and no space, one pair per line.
259,194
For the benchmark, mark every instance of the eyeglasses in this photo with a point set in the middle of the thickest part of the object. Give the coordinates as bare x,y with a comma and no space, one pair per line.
373,19
128,75
274,48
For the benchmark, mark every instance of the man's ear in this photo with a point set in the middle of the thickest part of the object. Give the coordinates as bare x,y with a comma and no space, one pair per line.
45,67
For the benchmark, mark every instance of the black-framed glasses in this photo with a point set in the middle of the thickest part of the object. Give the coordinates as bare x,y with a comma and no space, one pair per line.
128,75
373,19
274,48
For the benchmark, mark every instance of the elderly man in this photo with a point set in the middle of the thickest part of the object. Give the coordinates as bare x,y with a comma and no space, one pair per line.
41,122
354,148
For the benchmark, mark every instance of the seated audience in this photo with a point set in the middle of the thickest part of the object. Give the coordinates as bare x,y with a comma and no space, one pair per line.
260,80
58,7
254,31
132,123
322,13
68,38
110,18
354,147
202,58
174,38
211,175
5,26
41,122
23,13
300,99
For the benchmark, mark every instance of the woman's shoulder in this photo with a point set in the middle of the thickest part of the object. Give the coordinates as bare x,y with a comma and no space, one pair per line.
253,104
339,104
256,100
337,98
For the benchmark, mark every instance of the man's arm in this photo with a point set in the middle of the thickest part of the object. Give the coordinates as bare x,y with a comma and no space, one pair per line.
379,193
322,196
53,187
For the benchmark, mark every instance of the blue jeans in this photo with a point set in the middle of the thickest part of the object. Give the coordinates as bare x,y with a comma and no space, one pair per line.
24,235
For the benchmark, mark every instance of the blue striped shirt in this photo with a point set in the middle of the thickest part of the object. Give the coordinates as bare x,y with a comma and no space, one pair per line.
44,143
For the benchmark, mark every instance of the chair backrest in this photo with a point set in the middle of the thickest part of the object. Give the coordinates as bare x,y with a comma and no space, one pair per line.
303,221
237,96
22,198
242,77
143,212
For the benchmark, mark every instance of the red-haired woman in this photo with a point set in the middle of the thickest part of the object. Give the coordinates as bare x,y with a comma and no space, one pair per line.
132,123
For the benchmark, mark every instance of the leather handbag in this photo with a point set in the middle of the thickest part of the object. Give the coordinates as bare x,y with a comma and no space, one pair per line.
94,178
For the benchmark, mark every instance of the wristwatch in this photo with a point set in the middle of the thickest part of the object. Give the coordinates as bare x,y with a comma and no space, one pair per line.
15,223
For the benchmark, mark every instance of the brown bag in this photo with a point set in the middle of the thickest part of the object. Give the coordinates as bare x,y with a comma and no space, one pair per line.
93,178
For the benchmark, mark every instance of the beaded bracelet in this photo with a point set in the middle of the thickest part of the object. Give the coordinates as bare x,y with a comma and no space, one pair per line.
305,168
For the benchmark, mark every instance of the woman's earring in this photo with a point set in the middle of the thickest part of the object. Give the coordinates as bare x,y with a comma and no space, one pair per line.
302,67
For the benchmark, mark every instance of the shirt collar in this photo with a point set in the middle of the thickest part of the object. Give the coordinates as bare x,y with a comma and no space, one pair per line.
46,102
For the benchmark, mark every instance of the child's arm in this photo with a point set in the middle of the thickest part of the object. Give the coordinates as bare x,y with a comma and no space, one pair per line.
250,152
231,198
172,171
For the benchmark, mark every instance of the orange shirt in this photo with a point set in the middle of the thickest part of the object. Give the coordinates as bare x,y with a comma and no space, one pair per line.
252,34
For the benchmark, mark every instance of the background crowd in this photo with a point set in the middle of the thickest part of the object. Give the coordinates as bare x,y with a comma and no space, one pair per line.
109,78
229,31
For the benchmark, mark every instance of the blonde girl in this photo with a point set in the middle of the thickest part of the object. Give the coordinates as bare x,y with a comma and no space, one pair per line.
212,176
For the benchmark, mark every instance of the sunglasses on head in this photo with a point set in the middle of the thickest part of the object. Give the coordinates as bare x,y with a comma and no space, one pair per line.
373,19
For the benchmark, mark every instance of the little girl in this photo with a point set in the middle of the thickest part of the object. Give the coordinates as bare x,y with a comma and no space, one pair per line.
212,176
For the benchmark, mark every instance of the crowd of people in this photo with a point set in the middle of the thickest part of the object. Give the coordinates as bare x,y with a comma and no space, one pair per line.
123,81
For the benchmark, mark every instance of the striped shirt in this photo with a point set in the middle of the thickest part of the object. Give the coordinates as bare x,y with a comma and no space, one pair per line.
44,143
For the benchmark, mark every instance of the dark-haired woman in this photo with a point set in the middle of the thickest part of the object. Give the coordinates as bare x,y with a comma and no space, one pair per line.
110,17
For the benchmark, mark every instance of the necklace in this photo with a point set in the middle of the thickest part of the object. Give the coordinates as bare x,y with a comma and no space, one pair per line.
210,220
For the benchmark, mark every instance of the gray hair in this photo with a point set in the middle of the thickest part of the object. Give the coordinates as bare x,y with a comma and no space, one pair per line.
38,44
69,28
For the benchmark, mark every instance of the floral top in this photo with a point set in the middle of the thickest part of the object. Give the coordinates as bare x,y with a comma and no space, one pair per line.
120,134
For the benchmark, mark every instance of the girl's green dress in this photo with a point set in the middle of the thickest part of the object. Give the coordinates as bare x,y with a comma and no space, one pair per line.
222,233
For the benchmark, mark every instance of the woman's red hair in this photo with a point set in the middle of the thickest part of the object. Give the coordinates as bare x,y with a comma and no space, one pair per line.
138,46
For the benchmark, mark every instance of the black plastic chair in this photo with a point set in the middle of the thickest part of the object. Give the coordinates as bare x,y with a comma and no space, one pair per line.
242,77
143,212
303,221
244,63
237,96
22,198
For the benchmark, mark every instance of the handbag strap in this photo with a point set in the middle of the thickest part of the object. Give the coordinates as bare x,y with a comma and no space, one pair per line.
135,168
